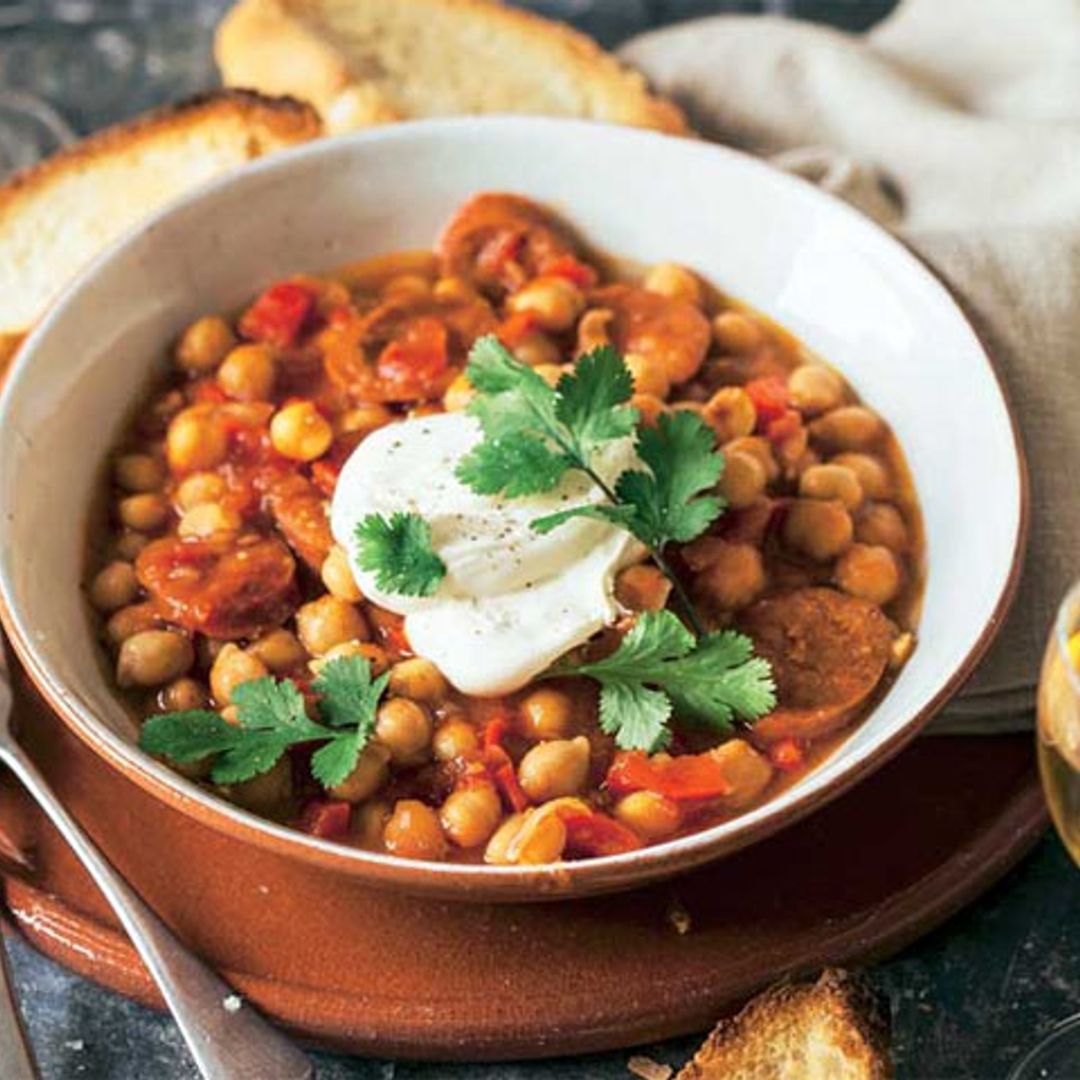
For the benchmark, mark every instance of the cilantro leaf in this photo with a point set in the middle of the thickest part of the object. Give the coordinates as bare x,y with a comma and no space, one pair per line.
513,465
398,552
592,401
660,668
271,717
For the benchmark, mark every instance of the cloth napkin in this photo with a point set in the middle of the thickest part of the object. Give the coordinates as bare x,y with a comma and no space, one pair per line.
957,124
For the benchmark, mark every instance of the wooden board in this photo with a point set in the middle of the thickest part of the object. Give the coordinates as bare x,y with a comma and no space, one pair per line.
374,972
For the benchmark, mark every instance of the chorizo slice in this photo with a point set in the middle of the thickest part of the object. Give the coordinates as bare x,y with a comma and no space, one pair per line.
828,652
673,333
221,587
498,242
298,509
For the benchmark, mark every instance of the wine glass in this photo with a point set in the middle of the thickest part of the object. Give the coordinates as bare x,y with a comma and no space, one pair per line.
1057,736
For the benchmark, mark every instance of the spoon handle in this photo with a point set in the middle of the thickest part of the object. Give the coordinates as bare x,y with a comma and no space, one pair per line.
226,1037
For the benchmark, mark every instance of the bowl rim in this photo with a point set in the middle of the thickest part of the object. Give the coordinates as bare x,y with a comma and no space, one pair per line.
459,880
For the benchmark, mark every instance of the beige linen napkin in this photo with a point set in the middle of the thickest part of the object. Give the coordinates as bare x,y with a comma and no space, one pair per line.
957,123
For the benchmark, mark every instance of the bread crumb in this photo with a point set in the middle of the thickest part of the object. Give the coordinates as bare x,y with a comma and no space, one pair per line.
679,917
232,1004
74,1044
648,1069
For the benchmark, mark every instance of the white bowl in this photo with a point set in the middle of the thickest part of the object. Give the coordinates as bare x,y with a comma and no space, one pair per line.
848,290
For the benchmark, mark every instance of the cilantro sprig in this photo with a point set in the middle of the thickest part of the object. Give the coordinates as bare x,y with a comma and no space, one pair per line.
271,717
660,668
398,551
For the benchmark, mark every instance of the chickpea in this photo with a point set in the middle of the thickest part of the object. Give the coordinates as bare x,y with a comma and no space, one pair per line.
327,622
736,333
419,679
642,588
550,373
758,447
364,419
537,348
114,587
901,650
204,344
369,825
368,775
650,815
199,488
129,621
404,728
407,286
731,413
154,657
279,651
300,432
248,373
547,713
414,832
459,394
540,839
872,473
206,519
743,479
338,578
183,695
882,524
733,576
555,768
650,407
455,739
144,513
375,655
129,543
233,667
649,376
831,482
496,852
196,440
594,329
814,389
266,794
819,528
471,815
869,572
555,302
139,473
747,771
454,289
675,282
851,427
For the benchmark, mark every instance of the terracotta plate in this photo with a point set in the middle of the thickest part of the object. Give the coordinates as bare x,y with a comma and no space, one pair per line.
374,972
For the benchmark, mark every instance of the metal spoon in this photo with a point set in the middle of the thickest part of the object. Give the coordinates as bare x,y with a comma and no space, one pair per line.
226,1037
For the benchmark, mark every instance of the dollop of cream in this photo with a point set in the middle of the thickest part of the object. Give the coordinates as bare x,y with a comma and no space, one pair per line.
513,600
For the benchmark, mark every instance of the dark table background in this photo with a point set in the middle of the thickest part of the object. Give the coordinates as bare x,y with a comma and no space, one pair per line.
966,1001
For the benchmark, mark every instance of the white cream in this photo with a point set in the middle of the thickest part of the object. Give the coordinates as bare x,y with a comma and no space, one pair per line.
512,601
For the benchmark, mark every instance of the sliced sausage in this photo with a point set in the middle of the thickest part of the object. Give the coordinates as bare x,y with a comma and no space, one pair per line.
828,652
673,333
298,508
221,587
498,242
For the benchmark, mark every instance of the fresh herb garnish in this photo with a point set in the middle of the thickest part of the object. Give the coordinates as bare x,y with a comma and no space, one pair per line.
660,668
398,552
271,717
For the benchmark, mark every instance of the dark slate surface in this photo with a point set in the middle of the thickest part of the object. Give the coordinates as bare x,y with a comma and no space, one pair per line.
965,1001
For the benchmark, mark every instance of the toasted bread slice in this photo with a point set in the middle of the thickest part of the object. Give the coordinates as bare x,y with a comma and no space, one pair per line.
363,62
834,1029
56,216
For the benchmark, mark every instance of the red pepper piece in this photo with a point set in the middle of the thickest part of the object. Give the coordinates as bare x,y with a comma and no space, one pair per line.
326,818
207,392
595,834
783,427
770,398
499,764
787,755
690,776
513,330
410,366
280,315
573,270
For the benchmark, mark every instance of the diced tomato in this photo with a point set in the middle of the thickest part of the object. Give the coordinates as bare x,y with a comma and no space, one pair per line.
280,315
207,392
787,755
783,427
595,834
574,270
412,364
324,475
326,818
499,764
690,776
513,330
770,398
495,731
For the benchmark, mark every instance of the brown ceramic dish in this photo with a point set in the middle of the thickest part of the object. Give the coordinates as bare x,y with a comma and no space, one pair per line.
845,289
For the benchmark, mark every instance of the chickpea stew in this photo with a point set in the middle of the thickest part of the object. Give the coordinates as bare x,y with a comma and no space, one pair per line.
269,667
